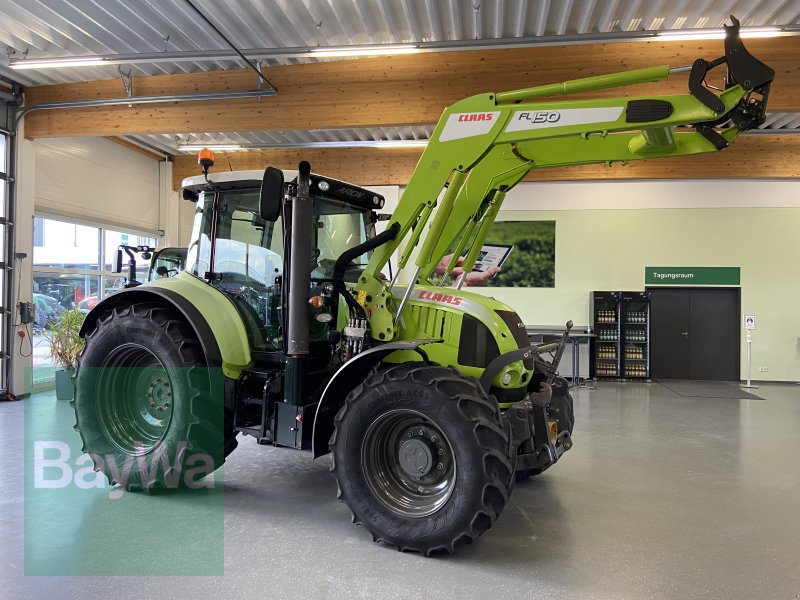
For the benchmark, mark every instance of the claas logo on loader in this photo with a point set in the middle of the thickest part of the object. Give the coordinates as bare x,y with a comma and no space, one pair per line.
443,298
475,117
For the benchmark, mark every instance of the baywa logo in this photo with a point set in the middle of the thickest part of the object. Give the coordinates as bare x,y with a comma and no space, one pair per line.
540,116
52,468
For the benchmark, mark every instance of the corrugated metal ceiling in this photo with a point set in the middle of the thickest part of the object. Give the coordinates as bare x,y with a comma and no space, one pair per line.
58,28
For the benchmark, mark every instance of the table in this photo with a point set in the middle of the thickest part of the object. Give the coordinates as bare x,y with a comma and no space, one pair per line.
574,339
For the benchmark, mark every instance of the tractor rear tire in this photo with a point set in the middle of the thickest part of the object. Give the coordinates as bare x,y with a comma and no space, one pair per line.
149,411
421,458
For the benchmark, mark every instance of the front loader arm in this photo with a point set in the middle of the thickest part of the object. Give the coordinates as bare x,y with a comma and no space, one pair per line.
484,145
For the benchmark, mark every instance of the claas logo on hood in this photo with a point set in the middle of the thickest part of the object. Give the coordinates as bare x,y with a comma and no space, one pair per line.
443,298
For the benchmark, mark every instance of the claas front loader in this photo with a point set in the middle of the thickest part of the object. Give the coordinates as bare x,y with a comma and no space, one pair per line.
283,325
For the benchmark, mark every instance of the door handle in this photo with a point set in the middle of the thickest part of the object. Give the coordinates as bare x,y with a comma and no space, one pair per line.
685,335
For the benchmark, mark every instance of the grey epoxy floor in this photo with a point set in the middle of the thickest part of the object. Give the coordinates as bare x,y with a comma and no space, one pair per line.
661,497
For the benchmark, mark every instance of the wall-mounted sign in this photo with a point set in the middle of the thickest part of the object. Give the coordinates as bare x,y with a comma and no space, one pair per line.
692,275
749,321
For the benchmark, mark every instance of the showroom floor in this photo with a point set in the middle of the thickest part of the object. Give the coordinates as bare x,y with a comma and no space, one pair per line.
662,497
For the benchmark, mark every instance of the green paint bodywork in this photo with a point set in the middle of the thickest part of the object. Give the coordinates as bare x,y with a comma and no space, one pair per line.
221,315
436,313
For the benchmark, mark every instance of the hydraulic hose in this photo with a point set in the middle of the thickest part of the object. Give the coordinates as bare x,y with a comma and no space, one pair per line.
347,257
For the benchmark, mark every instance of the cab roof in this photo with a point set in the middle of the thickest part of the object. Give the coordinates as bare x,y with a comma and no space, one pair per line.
245,179
321,185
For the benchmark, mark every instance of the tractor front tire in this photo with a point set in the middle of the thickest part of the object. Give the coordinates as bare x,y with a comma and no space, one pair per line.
421,458
148,409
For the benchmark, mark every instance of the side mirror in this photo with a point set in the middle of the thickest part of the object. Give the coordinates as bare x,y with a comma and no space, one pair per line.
270,198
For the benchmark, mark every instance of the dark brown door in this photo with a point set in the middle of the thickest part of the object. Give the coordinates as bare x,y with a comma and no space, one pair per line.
695,333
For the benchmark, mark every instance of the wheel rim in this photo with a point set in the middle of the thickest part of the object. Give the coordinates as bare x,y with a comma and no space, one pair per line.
408,463
135,399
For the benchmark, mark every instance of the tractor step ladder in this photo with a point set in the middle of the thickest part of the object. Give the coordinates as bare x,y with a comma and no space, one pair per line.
261,430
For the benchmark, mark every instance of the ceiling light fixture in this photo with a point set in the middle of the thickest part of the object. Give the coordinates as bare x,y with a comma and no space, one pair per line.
53,63
194,147
201,56
718,34
371,50
212,147
400,144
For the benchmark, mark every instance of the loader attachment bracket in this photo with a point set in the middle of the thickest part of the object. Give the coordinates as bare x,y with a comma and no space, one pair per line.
697,79
744,70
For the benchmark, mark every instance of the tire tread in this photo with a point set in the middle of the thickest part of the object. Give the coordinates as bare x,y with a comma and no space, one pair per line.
203,423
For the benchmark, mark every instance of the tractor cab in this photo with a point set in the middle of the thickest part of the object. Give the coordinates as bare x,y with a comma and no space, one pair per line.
240,246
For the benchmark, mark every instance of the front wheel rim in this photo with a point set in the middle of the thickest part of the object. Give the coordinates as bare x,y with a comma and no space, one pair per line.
135,399
408,463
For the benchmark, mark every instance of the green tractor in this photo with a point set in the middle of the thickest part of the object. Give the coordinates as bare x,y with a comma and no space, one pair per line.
283,325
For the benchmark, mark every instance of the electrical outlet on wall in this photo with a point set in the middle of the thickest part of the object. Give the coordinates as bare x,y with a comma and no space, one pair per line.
763,369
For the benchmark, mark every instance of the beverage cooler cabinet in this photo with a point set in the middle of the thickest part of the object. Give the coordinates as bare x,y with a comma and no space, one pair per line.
635,335
621,346
605,348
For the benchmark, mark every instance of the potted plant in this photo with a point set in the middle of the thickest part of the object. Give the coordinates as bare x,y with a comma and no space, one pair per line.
65,343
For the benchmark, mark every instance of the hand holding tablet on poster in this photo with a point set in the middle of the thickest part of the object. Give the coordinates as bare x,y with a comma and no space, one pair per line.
491,258
488,264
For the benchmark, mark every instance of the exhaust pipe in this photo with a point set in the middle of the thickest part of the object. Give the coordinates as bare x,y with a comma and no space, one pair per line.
301,237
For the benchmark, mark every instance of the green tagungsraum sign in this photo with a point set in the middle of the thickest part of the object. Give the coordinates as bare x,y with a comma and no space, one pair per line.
692,275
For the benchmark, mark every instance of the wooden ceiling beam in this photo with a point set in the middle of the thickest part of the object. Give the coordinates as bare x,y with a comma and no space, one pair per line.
137,148
750,157
384,91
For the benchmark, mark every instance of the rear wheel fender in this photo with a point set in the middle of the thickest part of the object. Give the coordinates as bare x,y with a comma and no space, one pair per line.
166,298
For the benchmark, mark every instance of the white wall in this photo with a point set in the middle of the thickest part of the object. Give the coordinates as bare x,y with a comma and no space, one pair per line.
607,232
